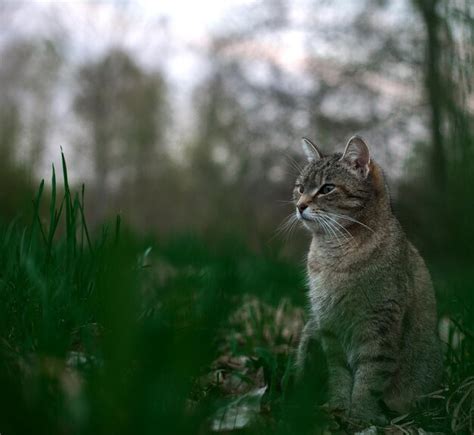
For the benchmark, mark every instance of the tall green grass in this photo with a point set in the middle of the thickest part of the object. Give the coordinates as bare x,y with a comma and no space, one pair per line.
107,333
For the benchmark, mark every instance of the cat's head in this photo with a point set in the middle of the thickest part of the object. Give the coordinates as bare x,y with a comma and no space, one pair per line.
338,191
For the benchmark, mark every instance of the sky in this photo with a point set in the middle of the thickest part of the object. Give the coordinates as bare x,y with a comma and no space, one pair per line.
157,31
170,35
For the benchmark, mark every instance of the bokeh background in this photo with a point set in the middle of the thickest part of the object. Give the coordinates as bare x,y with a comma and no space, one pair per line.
184,120
183,115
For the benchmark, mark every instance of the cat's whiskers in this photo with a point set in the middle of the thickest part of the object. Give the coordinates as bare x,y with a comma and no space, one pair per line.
322,224
335,231
325,224
330,230
287,226
331,222
342,216
343,228
327,221
293,225
328,227
285,223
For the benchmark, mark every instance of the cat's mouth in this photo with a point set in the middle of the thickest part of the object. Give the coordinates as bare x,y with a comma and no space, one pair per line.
302,217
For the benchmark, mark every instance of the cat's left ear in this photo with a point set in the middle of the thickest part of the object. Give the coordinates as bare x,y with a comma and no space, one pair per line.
311,150
357,155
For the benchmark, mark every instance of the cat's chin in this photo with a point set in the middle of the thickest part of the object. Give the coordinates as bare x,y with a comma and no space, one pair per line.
310,225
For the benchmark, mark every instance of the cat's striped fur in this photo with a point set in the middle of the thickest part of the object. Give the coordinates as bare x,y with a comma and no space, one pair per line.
372,304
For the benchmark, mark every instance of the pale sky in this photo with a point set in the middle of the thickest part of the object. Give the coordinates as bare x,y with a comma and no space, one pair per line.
168,34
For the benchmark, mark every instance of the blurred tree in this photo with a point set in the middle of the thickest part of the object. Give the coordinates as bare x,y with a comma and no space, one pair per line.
9,132
28,72
143,134
443,181
124,109
28,76
436,93
212,164
350,69
233,160
365,66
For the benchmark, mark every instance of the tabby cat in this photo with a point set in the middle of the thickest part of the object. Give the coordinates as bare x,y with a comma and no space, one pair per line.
372,304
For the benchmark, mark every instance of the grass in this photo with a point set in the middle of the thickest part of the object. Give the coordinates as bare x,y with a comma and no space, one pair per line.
114,333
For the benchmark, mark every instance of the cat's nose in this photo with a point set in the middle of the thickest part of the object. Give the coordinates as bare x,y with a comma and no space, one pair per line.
302,207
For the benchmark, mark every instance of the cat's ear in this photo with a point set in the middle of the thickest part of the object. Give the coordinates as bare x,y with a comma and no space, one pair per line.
357,155
311,150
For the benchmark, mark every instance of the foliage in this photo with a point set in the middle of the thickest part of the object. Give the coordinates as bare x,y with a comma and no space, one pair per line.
107,334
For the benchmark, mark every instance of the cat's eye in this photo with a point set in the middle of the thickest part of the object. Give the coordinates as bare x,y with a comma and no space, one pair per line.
300,188
326,188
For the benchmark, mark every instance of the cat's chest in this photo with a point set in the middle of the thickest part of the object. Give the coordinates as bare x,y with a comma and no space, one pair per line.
330,300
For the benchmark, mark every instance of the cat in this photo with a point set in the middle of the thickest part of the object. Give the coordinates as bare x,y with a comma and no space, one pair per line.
372,303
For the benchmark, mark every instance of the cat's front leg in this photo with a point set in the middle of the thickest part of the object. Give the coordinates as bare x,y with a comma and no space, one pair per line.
340,378
376,366
308,334
375,361
370,382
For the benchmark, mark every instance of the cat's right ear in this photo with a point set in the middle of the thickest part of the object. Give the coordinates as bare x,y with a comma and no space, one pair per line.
357,155
311,150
